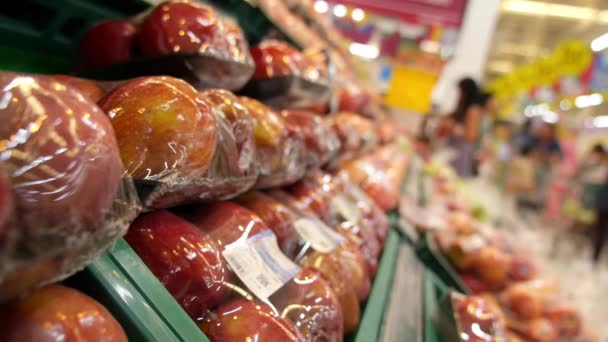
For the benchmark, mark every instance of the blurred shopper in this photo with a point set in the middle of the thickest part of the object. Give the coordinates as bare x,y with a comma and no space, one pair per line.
465,122
544,140
488,105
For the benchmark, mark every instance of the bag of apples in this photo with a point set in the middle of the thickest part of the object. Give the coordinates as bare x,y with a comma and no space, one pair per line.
224,267
63,198
179,145
184,39
310,243
357,136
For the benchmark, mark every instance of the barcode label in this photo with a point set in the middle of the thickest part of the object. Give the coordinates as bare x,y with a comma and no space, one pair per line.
346,208
259,264
320,236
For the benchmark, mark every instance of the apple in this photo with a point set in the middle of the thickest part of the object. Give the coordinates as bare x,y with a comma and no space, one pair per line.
108,42
540,330
245,320
274,58
565,318
59,148
164,130
279,219
341,282
89,89
58,313
238,49
474,284
178,27
492,266
6,201
183,258
236,116
522,269
308,197
525,302
310,303
477,319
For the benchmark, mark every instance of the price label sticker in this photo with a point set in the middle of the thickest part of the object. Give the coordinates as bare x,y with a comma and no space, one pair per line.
260,264
320,236
346,208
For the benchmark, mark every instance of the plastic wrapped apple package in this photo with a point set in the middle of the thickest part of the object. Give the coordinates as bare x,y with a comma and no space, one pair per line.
321,143
275,58
224,266
280,150
56,313
184,39
477,319
357,135
56,149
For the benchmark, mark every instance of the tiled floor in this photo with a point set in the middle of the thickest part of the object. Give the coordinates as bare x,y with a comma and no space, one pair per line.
563,255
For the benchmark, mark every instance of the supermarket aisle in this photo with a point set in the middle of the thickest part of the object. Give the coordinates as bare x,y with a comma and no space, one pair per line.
564,256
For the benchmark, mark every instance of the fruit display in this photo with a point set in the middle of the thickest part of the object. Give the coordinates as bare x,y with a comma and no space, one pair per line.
58,313
274,58
477,320
56,147
180,38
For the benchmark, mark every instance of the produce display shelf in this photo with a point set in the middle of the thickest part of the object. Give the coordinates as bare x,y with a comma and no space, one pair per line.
434,290
373,311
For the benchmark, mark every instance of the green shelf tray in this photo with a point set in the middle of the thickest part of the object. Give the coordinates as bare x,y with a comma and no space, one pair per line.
145,309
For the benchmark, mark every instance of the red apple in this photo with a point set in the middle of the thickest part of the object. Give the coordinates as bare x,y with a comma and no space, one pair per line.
523,301
89,89
278,217
565,318
57,313
178,27
59,148
183,258
522,269
309,302
477,319
275,58
244,320
6,201
163,129
475,285
108,42
238,49
492,267
540,330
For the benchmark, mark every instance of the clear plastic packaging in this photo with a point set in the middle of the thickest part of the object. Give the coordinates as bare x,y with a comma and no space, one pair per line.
184,39
321,143
312,244
275,58
280,150
357,135
57,149
228,258
58,313
477,320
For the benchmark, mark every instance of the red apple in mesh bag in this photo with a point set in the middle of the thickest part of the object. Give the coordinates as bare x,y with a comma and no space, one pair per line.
183,258
58,149
108,42
245,320
179,27
164,130
310,303
56,313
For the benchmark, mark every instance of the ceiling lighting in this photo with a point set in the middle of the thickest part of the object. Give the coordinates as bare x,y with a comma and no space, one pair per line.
321,6
339,11
364,50
600,121
541,8
358,14
600,43
585,101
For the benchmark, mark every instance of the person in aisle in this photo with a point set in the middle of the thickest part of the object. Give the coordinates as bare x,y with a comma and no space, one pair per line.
465,123
544,140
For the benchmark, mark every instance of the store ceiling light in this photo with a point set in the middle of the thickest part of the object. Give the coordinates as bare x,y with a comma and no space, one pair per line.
321,6
339,11
590,100
364,50
544,9
550,117
600,121
358,14
600,43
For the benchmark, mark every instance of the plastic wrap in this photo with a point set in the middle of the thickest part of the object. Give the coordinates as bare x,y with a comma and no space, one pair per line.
224,259
176,146
280,150
274,58
321,143
357,135
178,38
312,244
477,320
57,313
91,90
57,149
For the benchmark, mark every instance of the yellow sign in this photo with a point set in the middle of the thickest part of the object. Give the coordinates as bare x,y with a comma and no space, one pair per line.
411,89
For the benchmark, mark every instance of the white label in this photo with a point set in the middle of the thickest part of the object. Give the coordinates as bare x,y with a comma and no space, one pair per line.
320,236
346,208
260,264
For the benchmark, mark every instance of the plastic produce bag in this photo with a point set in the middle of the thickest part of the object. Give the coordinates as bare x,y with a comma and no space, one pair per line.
56,149
477,320
321,143
228,261
58,313
184,39
357,135
280,150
